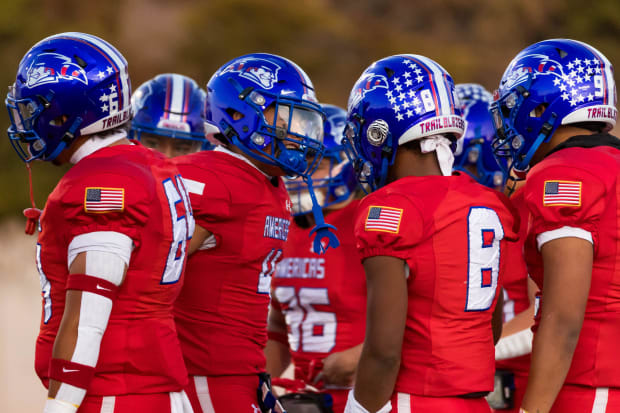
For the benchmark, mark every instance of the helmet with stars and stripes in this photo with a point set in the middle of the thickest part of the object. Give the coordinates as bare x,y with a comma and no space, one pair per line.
68,85
396,100
171,106
548,84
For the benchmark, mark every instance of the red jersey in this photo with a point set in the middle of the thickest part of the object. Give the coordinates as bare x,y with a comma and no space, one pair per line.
514,283
451,232
140,351
221,313
323,297
575,192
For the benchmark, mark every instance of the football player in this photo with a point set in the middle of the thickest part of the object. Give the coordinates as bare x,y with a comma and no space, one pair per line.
113,235
264,112
169,115
475,156
555,103
320,300
431,245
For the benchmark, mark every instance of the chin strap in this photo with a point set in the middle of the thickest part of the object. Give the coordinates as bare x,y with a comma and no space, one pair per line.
321,229
32,214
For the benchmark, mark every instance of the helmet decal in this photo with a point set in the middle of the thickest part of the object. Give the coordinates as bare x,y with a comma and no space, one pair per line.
51,68
260,71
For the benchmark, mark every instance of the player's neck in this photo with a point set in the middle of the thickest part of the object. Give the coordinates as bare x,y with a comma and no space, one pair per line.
413,163
561,134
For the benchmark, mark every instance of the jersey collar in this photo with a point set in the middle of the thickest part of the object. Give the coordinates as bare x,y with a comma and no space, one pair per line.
96,142
238,156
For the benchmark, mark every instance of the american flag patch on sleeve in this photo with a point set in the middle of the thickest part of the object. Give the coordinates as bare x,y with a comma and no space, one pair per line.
102,200
562,193
384,219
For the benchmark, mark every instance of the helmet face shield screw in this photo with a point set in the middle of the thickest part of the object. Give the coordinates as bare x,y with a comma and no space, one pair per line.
258,139
257,98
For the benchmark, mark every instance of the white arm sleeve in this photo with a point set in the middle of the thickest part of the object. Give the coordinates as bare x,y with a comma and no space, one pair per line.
101,241
107,255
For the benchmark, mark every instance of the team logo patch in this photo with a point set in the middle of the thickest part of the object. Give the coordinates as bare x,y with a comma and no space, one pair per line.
260,71
562,193
383,219
102,200
51,67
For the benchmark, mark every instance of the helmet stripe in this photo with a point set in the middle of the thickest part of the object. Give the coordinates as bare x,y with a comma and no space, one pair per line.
116,58
176,100
168,97
440,81
187,99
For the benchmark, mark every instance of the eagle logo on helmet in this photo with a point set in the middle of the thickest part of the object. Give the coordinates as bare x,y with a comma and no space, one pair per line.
372,82
260,71
51,67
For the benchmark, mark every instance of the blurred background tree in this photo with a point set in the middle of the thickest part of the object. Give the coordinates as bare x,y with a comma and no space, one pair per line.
333,40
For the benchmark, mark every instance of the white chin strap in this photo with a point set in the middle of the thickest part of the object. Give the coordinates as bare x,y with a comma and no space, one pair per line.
441,145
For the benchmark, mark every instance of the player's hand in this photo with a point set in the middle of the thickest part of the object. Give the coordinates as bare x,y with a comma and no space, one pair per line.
339,368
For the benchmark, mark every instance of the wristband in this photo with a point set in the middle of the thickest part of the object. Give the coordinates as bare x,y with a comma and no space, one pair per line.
92,284
65,371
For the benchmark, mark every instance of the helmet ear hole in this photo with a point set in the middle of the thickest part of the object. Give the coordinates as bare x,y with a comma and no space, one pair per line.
79,61
59,120
234,114
539,110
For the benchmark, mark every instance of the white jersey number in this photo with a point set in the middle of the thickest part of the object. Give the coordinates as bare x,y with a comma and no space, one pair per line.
309,330
269,267
46,288
182,229
485,232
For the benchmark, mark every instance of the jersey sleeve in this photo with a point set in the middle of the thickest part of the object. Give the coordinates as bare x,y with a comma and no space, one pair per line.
108,202
209,196
387,225
564,201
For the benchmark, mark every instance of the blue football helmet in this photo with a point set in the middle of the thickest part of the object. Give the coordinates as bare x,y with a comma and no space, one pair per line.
474,154
340,182
241,96
396,100
68,85
169,105
242,89
572,81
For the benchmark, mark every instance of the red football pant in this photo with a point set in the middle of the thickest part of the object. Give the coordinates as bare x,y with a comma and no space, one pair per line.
520,386
223,394
174,402
410,403
579,399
